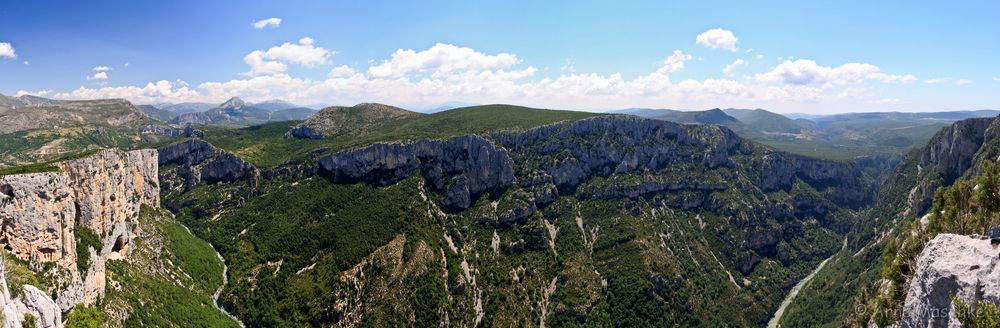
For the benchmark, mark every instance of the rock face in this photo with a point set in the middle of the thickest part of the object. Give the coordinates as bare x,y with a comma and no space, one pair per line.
37,215
102,193
949,265
948,156
461,168
562,156
32,301
198,162
39,210
111,186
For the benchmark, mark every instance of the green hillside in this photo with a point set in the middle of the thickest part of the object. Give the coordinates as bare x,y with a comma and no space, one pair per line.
266,145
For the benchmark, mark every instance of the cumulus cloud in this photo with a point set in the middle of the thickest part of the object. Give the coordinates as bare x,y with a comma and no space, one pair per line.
718,38
445,72
275,60
440,59
153,92
728,70
101,69
674,62
963,82
273,22
7,51
805,72
341,71
98,76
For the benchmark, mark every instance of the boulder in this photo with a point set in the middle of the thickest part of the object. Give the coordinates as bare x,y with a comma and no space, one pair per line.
951,265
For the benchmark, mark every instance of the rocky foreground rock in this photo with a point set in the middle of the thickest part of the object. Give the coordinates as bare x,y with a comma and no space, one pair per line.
39,212
951,265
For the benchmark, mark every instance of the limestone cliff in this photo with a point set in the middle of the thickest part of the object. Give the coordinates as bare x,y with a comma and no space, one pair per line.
111,186
197,162
39,212
37,215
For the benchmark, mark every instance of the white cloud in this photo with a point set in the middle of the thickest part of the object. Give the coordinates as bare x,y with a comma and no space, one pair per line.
273,22
98,76
26,62
963,82
39,93
805,72
759,56
444,72
160,91
674,62
718,38
341,71
275,60
996,79
728,70
441,59
6,50
937,80
101,69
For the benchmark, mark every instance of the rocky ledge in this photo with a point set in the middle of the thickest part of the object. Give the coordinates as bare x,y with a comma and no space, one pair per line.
460,168
951,265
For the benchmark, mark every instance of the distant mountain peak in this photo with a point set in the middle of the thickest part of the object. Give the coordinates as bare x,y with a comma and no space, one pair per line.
234,103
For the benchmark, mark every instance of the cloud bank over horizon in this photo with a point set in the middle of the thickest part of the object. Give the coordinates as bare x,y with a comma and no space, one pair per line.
444,72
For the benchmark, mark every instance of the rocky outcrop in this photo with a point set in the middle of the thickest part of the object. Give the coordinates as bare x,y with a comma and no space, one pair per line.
951,265
31,301
558,158
37,215
948,156
168,131
778,171
111,186
198,162
38,211
460,168
102,193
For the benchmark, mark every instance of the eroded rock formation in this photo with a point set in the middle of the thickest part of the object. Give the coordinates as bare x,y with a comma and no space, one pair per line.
37,215
198,162
462,168
39,212
951,265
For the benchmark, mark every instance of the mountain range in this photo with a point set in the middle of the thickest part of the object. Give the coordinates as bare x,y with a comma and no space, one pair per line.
493,215
237,112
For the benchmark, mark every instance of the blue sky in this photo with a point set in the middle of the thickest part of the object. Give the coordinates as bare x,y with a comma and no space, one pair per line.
813,57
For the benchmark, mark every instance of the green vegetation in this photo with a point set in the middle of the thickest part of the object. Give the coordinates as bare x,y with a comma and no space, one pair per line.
984,314
85,240
313,253
169,278
966,207
266,145
48,166
85,317
30,168
29,321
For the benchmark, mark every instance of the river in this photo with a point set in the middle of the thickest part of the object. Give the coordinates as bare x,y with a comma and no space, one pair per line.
795,290
225,281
